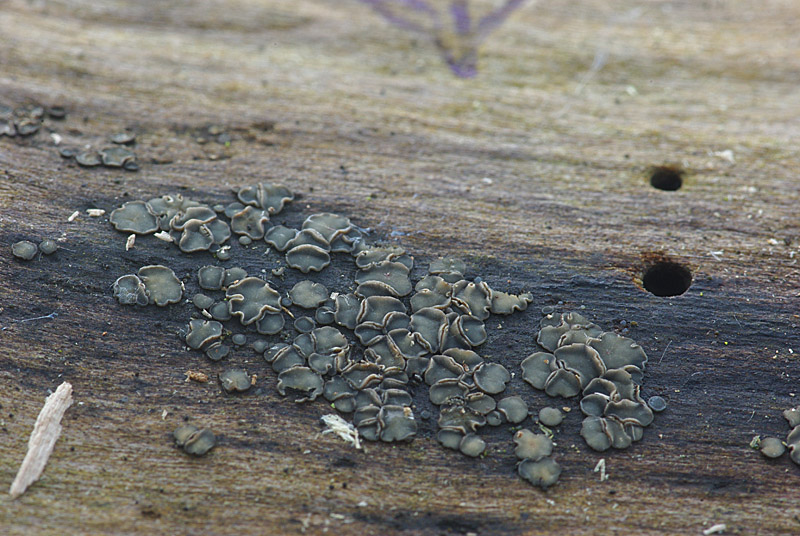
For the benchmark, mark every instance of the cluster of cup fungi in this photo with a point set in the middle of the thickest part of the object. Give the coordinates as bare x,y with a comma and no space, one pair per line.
366,349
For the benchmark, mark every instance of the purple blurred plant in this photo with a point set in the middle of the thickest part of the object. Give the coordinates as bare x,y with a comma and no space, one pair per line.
457,39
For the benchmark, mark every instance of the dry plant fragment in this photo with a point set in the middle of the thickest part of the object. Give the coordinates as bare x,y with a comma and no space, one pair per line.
43,439
194,376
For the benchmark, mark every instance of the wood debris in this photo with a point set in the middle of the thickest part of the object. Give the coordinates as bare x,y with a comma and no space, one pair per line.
199,377
43,439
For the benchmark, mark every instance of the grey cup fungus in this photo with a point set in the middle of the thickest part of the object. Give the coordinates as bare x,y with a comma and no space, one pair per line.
130,290
532,446
772,447
194,441
308,294
162,285
235,380
134,217
251,298
543,473
551,416
24,250
47,246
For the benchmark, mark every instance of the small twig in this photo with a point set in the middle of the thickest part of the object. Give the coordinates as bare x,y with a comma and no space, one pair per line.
665,352
751,416
51,315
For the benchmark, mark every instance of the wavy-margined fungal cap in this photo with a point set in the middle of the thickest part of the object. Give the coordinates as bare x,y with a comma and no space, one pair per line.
563,382
472,445
235,380
469,329
617,352
163,286
431,325
182,433
116,156
376,309
630,411
513,408
286,358
792,416
219,311
530,446
772,447
308,294
301,379
196,236
304,324
371,256
279,237
130,290
506,304
135,217
252,298
458,417
203,214
397,423
536,368
447,265
472,298
491,378
24,250
480,402
202,332
330,226
543,473
442,367
385,278
551,337
551,416
199,442
594,404
450,438
593,431
211,277
251,222
307,258
446,389
270,197
581,359
201,301
347,310
233,275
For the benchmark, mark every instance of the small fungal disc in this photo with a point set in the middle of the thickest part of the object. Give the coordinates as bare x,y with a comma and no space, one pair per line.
240,339
472,445
347,310
444,390
211,277
134,217
551,416
47,246
219,311
196,236
491,378
304,324
88,159
594,405
483,404
233,275
630,411
217,351
506,304
200,442
532,446
543,473
772,447
270,197
130,290
162,285
24,250
658,404
308,294
235,380
201,301
513,408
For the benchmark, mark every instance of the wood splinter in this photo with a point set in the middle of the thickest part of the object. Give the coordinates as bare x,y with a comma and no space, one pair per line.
43,439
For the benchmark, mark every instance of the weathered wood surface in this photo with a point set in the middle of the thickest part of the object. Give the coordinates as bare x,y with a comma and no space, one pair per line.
369,122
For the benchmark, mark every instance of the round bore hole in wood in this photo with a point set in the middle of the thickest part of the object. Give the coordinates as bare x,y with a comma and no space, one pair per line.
666,178
667,279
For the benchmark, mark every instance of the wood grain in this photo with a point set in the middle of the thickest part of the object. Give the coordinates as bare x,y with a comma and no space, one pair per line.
365,119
